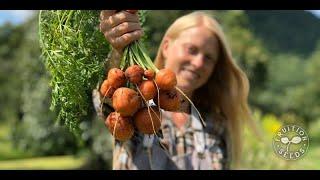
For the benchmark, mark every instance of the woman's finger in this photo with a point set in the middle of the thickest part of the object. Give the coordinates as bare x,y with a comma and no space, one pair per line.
120,42
124,28
132,11
110,21
105,26
105,14
121,17
130,37
135,35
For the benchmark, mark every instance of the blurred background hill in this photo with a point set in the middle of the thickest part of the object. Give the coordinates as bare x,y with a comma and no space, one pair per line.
288,31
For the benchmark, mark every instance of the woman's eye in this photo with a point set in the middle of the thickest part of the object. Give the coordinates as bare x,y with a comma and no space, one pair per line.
208,57
192,50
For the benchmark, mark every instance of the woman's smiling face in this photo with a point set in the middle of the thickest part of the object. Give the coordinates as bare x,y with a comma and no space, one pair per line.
192,56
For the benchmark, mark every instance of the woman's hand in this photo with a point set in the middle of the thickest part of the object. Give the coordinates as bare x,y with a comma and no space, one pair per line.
120,28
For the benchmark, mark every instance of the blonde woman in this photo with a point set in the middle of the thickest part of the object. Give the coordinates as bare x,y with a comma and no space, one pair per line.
194,47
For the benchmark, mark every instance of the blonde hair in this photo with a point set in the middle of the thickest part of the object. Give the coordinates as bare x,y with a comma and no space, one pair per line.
226,92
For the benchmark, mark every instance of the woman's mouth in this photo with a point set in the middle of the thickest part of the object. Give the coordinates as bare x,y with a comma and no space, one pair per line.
190,74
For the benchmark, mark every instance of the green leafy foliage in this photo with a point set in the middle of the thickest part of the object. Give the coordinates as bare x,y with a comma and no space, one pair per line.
74,51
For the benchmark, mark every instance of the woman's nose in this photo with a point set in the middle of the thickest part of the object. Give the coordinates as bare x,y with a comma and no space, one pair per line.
198,61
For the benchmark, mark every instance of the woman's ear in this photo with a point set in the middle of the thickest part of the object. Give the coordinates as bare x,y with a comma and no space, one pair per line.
165,47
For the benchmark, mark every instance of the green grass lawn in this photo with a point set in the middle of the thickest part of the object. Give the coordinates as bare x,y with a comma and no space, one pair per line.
7,151
43,163
310,161
12,158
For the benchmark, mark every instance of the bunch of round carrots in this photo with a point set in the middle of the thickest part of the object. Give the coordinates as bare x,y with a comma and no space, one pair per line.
130,89
132,86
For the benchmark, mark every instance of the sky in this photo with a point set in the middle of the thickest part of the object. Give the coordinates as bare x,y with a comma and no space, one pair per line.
20,16
15,16
316,12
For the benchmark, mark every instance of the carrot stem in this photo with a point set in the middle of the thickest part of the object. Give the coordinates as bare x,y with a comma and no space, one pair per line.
202,121
158,91
145,101
114,129
104,97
